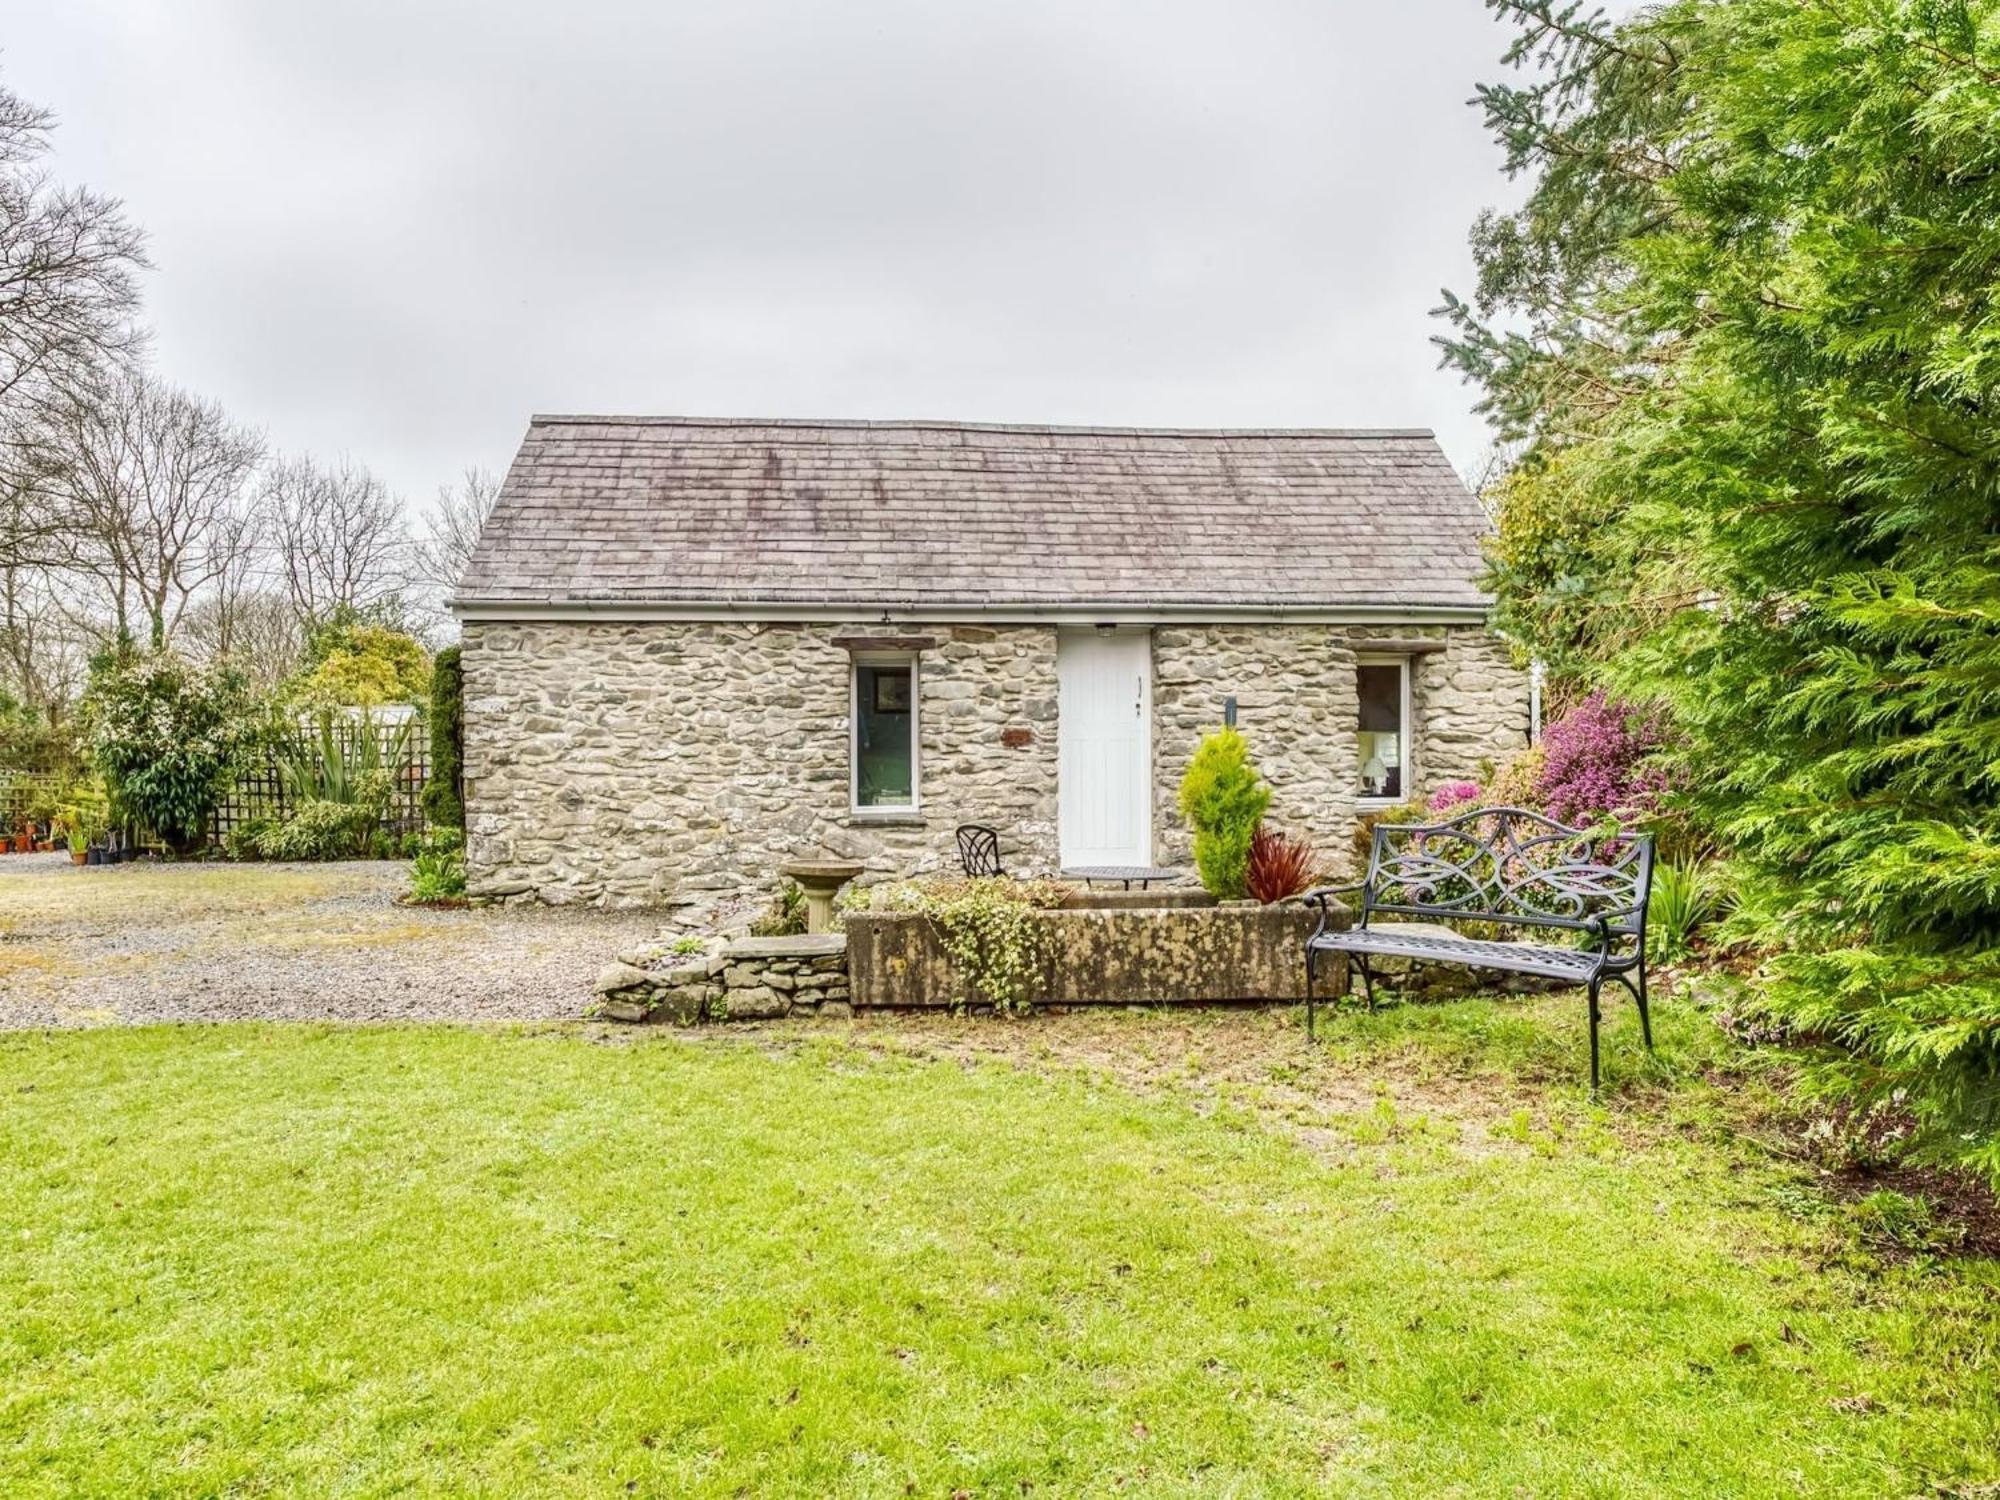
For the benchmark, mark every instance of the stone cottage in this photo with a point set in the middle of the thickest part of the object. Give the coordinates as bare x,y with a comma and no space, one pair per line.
696,649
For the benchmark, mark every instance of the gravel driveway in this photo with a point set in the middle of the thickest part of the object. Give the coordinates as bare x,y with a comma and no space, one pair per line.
216,942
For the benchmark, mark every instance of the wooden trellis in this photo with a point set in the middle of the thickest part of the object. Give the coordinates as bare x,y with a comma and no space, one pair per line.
259,789
20,790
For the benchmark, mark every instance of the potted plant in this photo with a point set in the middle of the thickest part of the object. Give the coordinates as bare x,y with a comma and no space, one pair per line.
81,823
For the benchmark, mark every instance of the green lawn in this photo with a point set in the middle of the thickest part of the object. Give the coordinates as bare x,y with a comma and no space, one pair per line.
325,1261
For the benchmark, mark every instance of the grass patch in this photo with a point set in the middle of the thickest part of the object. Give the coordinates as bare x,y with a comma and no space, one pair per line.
323,1261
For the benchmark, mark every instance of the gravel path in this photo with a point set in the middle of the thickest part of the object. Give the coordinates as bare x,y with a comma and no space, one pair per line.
215,942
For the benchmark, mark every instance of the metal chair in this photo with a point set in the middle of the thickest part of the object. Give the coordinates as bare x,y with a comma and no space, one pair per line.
979,849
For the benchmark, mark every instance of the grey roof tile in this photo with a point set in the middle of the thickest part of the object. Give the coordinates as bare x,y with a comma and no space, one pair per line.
701,510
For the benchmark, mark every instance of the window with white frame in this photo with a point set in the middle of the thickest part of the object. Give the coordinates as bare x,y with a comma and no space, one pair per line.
884,720
1382,684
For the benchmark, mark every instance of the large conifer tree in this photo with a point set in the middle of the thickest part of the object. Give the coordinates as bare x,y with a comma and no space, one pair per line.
1748,326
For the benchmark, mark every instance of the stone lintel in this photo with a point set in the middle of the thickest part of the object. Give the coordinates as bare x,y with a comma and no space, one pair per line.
1399,646
887,642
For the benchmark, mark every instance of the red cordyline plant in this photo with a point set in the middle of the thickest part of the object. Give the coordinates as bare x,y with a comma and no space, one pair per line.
1594,762
1281,865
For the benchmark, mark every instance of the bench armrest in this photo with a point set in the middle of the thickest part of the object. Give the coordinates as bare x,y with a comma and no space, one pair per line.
1318,894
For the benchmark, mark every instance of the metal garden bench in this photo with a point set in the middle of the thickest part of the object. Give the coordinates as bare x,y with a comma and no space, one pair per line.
1503,866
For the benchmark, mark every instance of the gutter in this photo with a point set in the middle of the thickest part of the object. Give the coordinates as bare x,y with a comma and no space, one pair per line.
891,612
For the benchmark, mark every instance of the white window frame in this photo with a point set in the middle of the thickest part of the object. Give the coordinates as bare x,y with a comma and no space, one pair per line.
1407,736
912,660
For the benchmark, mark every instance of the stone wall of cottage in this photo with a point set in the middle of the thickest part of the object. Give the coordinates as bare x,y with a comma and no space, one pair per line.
1297,704
1471,706
679,765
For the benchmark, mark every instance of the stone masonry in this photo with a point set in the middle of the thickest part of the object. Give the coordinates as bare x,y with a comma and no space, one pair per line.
670,764
741,979
679,764
1296,703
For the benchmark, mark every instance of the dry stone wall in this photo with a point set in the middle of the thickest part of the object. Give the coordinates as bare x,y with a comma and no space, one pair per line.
680,764
744,979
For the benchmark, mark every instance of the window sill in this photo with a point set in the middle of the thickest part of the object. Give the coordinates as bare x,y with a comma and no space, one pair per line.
887,817
1377,804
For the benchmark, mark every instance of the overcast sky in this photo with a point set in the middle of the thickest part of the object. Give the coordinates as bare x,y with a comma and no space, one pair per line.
394,228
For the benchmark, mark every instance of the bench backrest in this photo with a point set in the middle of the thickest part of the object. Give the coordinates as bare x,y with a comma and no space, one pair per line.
1506,864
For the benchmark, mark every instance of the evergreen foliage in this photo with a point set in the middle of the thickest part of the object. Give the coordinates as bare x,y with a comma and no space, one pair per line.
1223,799
318,830
353,662
1748,327
444,793
31,741
165,734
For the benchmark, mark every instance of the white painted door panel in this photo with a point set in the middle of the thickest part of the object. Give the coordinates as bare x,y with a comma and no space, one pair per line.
1104,730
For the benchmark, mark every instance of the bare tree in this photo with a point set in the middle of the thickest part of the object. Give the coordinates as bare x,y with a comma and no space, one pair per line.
43,650
338,535
255,627
244,615
149,485
452,527
69,295
1489,470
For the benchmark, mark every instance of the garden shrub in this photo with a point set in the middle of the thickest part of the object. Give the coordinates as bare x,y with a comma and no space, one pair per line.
84,816
372,791
353,663
1280,865
246,840
165,735
1687,895
30,741
1416,810
1223,800
343,759
1598,762
1454,797
444,793
1514,784
437,871
318,830
987,926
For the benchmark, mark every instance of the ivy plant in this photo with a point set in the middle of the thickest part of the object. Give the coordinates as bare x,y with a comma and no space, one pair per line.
988,926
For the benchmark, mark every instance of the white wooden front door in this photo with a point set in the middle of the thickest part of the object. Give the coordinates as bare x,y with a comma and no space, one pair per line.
1105,714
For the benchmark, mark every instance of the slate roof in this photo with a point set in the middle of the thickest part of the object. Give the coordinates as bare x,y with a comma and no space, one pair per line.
666,510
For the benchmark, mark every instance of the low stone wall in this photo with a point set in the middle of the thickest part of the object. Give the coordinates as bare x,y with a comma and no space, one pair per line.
741,979
1148,956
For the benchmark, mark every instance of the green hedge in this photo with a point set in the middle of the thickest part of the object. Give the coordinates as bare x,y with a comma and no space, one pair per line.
444,793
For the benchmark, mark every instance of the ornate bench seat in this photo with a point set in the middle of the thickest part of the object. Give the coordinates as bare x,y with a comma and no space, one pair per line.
1508,867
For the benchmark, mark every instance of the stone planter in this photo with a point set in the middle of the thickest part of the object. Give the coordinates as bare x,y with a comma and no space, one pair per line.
1104,957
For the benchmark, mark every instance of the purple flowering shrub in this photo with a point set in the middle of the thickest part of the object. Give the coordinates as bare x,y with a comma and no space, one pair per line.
1593,762
1453,794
